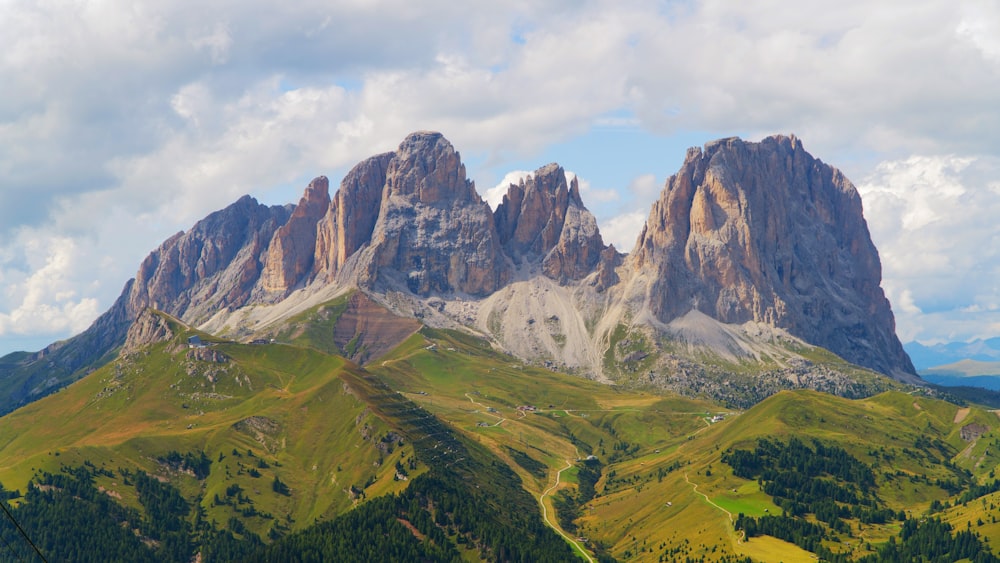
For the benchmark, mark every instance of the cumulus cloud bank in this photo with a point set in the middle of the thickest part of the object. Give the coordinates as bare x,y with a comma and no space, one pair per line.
933,219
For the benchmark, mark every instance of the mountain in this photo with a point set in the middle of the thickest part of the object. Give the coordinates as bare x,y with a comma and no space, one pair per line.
190,275
935,355
543,219
434,234
975,377
199,447
765,233
755,259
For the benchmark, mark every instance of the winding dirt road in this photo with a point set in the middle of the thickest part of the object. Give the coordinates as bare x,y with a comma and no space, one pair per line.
554,526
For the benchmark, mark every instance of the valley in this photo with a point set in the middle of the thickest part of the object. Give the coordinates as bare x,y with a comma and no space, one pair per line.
339,437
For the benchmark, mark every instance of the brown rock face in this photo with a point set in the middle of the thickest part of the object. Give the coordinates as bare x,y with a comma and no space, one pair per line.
148,328
607,276
349,223
214,265
542,219
289,257
434,233
765,232
366,331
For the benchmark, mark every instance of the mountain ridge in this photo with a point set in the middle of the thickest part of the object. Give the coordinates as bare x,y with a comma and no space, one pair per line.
729,237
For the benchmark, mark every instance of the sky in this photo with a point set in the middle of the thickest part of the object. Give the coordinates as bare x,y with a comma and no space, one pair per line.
123,122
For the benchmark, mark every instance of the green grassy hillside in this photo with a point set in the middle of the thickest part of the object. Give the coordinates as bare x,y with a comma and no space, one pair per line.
476,455
663,489
257,412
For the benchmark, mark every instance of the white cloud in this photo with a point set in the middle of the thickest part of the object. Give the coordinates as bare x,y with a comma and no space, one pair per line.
933,219
645,188
46,298
590,195
623,230
980,25
494,195
218,43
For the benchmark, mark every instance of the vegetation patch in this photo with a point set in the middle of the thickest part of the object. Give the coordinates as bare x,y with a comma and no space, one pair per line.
528,463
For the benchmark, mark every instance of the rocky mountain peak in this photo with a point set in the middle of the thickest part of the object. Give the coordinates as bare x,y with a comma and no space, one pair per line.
434,234
543,219
427,168
351,218
290,255
765,232
148,328
746,233
215,264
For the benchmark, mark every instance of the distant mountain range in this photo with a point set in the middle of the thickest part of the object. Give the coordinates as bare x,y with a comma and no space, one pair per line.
935,355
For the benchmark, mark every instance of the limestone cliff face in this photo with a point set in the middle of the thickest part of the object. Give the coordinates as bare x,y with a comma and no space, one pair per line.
434,233
148,328
290,255
542,219
350,220
214,265
765,232
607,266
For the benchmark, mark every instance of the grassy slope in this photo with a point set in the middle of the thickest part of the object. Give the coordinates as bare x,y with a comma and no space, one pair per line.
459,379
661,453
133,411
889,424
314,327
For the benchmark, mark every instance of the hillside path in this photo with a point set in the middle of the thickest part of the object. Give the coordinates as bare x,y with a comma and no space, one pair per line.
556,527
708,500
742,534
475,402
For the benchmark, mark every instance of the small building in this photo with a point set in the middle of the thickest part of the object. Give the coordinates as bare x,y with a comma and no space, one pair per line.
196,342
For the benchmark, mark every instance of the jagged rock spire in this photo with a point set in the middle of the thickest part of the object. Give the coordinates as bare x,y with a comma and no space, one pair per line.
434,234
542,219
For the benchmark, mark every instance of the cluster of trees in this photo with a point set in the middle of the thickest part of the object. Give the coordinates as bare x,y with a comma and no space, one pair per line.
831,484
975,491
932,541
567,504
804,534
528,463
69,519
822,480
771,458
373,532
